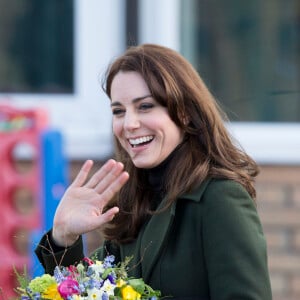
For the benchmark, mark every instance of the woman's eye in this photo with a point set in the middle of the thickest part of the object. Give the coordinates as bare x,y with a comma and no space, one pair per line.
145,106
117,111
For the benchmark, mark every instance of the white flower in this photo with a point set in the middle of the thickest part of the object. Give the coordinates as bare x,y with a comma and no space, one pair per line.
77,297
108,287
94,294
98,268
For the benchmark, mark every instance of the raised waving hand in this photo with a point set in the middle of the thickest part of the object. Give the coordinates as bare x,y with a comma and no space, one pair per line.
81,208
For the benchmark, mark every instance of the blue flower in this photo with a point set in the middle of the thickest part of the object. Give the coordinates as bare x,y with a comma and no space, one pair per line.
108,261
90,271
93,283
58,275
36,296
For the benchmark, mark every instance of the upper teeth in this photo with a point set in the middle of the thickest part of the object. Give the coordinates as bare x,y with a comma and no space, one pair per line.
140,140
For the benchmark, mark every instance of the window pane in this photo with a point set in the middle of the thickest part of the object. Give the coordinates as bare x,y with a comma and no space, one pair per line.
36,49
248,53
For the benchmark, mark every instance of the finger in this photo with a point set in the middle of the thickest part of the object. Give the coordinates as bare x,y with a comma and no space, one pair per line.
107,216
83,173
113,188
109,178
101,173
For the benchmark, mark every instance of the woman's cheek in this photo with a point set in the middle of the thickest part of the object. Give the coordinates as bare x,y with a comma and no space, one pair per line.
116,126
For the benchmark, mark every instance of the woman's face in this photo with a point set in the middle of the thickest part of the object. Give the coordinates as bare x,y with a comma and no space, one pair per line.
142,126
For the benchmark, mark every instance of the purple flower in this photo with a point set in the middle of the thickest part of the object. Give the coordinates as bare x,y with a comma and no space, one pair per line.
112,278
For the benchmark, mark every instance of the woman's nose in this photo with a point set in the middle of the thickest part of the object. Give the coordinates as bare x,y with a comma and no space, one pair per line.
131,121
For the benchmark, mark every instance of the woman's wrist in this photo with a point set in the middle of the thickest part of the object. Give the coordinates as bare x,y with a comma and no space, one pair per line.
63,240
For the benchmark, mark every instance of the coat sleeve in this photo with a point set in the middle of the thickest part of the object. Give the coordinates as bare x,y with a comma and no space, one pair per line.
234,244
51,255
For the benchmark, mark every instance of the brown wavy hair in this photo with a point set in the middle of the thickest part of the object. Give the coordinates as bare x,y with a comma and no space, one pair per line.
208,150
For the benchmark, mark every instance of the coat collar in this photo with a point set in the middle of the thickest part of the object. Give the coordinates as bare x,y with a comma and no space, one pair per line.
196,194
158,229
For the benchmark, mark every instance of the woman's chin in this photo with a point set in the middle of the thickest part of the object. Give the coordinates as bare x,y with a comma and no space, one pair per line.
142,164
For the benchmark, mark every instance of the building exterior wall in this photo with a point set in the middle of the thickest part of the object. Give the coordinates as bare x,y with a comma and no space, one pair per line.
278,198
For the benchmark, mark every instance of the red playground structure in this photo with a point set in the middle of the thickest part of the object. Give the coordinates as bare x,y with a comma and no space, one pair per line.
23,182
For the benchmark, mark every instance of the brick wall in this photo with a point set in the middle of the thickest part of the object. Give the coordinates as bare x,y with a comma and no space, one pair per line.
278,200
278,190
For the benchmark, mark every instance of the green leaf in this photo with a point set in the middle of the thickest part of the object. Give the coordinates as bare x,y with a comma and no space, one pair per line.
137,284
107,272
23,279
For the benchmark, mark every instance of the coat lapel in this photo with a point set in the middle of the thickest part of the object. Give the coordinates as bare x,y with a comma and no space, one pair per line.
154,237
158,228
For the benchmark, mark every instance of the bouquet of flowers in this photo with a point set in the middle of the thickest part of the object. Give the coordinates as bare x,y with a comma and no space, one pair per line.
88,280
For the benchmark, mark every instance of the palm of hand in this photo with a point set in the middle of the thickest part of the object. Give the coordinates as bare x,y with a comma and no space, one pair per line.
81,208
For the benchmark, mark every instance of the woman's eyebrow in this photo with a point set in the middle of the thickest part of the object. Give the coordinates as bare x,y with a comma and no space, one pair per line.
135,100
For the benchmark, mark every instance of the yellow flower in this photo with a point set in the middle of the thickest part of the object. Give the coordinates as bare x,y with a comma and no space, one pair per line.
52,293
128,293
120,282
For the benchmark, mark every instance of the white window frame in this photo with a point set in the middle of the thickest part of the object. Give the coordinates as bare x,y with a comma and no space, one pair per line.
268,143
84,118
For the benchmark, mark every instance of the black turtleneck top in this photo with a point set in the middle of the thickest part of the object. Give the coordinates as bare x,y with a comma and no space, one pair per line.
156,177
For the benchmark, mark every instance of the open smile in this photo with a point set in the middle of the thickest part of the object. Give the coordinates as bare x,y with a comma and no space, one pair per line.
141,141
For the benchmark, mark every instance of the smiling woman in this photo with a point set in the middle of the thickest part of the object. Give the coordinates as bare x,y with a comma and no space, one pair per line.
141,124
179,200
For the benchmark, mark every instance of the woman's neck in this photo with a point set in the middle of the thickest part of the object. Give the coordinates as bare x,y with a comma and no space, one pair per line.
157,175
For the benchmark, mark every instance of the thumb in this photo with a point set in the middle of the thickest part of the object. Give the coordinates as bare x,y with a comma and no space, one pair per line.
107,216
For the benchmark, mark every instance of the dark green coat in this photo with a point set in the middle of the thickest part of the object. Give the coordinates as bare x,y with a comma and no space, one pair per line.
208,245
